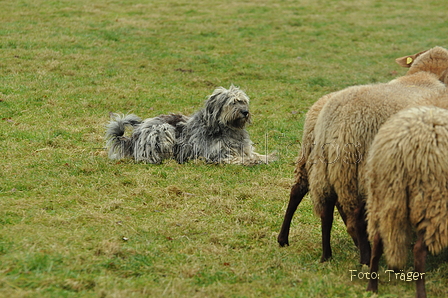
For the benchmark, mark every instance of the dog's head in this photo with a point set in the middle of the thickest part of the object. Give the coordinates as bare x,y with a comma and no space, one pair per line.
229,107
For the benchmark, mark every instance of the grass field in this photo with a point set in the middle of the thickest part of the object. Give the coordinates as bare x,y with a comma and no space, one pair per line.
75,224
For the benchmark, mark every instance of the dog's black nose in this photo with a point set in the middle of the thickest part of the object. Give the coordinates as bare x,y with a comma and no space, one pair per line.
245,113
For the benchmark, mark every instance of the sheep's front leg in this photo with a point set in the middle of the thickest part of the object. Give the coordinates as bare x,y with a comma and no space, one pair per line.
298,191
377,251
326,218
420,252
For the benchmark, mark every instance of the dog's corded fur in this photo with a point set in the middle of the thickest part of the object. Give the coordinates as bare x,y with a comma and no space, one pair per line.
216,134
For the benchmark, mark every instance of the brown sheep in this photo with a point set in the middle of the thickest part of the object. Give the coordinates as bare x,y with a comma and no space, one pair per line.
346,122
407,186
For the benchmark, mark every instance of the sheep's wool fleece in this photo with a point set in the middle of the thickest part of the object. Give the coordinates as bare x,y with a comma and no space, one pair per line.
407,180
302,166
345,129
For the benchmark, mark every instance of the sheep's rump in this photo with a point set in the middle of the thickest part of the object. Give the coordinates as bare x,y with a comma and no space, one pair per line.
407,175
302,166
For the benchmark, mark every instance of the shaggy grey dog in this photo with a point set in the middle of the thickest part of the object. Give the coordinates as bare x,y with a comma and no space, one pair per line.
215,134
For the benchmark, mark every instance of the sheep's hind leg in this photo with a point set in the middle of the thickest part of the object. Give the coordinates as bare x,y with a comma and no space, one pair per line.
377,251
420,252
298,191
361,234
344,219
326,218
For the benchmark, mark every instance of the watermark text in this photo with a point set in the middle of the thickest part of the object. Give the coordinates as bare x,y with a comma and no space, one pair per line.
388,275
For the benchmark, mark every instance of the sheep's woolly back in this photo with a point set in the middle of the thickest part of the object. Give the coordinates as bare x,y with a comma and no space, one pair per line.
408,182
434,61
345,129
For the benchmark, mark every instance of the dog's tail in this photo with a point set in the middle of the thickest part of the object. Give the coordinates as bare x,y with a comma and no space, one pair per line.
120,146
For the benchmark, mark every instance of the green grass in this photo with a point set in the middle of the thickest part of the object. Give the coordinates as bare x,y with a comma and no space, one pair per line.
75,224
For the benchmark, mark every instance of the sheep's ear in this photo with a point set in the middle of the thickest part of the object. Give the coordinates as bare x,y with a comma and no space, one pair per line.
407,61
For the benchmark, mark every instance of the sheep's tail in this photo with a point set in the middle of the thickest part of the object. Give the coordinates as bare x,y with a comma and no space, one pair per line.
397,231
388,214
120,146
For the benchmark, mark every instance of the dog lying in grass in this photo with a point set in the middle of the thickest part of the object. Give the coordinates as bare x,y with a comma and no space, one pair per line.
216,134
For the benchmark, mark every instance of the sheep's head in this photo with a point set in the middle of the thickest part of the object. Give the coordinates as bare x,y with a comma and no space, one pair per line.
434,60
